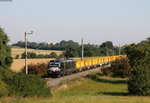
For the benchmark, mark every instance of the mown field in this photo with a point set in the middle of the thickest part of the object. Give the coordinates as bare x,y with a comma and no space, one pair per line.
92,89
18,51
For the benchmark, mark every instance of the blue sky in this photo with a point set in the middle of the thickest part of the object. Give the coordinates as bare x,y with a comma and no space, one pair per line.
119,21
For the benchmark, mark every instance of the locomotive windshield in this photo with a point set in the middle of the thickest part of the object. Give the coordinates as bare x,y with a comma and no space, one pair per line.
54,65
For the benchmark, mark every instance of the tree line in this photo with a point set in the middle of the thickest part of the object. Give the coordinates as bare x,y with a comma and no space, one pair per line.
73,49
47,46
34,55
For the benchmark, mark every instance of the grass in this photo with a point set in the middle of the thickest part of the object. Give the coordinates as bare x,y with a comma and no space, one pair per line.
18,51
96,85
78,99
92,89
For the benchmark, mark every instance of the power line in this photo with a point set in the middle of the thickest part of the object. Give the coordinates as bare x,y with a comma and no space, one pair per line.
82,49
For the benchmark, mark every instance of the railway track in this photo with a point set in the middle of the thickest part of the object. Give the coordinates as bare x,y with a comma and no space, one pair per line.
56,81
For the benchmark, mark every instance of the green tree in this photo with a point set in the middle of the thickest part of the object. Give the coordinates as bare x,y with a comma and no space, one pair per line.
89,50
71,52
53,55
139,57
107,44
5,50
139,82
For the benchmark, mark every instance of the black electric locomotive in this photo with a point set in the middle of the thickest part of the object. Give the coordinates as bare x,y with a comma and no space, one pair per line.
61,67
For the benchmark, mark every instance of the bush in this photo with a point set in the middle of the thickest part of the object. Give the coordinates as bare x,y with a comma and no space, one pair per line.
3,89
139,82
34,55
25,85
29,55
40,69
53,55
5,50
106,71
119,68
17,57
139,55
21,84
5,73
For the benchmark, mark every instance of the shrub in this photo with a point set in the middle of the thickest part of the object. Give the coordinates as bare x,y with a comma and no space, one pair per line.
119,68
139,55
40,69
5,50
17,57
1,73
25,85
3,89
106,71
29,55
21,84
139,82
5,73
53,55
34,55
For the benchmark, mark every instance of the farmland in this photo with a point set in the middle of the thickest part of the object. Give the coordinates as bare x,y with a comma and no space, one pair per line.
91,89
18,51
18,64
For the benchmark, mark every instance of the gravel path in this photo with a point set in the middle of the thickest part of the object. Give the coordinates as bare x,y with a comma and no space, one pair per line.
56,81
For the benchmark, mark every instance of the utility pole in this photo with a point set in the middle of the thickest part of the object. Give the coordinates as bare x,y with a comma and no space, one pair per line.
119,50
82,49
26,65
107,49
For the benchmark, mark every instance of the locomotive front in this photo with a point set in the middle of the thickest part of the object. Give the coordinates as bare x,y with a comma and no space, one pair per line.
54,67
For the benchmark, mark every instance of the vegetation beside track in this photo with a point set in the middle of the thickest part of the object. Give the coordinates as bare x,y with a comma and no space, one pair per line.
94,88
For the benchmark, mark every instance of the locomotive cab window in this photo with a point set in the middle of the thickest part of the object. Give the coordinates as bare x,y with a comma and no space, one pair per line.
54,65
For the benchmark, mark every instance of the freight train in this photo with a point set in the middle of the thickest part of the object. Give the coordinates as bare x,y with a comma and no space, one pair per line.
69,66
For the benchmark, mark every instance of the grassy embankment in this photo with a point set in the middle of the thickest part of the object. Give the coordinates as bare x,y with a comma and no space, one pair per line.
92,89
